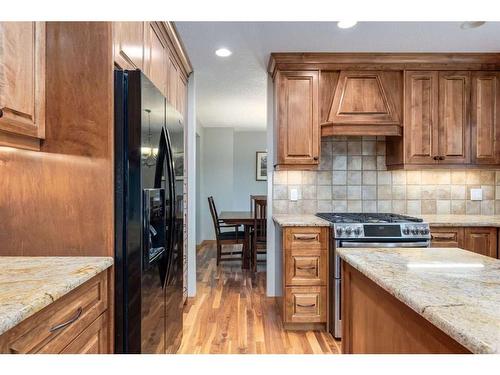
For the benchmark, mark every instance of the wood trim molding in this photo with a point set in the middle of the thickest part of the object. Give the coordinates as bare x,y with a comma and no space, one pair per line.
374,61
329,129
19,141
167,28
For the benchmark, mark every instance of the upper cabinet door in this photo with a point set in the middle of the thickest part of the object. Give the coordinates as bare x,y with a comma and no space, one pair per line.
298,118
182,97
363,97
128,44
155,58
173,82
421,117
22,84
485,118
454,109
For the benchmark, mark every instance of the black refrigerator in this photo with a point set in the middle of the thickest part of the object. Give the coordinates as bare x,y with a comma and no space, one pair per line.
149,163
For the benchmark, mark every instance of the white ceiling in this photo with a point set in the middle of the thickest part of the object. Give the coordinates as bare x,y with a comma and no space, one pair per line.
231,92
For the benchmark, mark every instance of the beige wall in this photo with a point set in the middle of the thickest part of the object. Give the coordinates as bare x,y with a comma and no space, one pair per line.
352,177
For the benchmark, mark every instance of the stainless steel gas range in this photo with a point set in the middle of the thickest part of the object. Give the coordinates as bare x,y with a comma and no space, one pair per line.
364,230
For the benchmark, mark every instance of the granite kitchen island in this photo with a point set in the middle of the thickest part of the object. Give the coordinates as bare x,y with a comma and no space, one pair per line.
430,300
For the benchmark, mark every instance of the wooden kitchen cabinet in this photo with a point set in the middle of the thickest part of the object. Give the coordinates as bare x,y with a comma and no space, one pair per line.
481,240
485,118
421,117
437,119
78,322
182,97
298,132
304,303
447,237
453,126
156,58
128,40
93,339
173,82
22,84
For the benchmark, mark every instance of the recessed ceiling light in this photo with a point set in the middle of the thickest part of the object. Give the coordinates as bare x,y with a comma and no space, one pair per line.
223,52
346,24
471,24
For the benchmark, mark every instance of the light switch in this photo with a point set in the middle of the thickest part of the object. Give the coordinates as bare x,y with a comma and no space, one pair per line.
294,194
476,194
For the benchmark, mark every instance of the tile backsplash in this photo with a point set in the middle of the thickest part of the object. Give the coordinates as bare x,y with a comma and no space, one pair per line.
352,177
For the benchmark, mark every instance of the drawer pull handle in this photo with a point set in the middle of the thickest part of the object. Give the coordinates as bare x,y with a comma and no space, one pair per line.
306,267
65,324
443,236
306,237
308,305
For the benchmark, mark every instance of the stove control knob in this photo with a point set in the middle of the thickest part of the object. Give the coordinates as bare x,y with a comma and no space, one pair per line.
406,231
348,231
357,231
340,231
414,230
424,231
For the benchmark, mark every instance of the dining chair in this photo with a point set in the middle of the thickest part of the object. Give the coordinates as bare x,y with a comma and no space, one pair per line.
259,231
234,237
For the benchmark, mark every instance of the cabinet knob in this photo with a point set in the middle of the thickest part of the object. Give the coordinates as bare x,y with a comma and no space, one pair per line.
435,157
315,158
1,113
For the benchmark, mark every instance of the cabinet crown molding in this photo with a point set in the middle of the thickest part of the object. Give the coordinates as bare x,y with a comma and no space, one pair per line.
373,61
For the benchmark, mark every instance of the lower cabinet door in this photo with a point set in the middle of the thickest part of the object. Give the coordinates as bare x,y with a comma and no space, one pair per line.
481,240
305,304
93,339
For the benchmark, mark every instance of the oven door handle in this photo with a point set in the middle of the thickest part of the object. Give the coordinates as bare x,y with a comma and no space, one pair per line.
384,244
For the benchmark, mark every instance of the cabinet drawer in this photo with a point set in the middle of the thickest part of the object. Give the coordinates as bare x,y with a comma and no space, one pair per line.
447,237
307,238
93,339
53,328
306,267
305,304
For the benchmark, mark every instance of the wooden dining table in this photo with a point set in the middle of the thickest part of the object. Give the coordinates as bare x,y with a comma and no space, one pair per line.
246,219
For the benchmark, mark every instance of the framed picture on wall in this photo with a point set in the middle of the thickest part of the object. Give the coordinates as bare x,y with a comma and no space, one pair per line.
261,166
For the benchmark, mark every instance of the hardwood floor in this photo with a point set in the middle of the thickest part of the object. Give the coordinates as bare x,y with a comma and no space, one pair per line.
231,314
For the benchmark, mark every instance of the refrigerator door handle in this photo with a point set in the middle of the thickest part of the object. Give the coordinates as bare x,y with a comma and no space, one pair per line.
172,223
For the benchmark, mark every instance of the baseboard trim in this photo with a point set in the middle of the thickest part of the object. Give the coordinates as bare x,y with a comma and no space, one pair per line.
205,243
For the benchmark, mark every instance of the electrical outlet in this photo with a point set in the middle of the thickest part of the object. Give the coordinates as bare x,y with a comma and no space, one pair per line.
294,194
476,194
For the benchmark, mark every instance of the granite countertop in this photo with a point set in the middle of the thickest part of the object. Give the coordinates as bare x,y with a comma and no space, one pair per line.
462,220
300,220
456,290
28,284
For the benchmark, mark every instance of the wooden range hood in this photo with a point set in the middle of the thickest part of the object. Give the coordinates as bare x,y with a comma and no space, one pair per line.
355,102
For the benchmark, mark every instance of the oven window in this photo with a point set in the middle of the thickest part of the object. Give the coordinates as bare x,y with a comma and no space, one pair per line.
382,230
